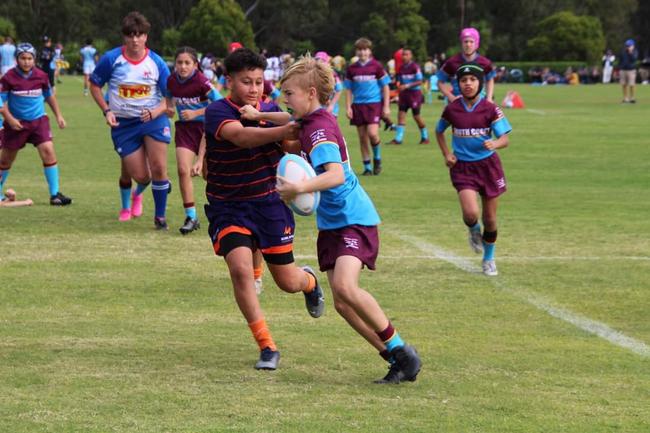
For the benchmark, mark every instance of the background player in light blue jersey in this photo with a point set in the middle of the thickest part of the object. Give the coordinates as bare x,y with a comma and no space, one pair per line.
25,88
7,55
137,81
88,59
367,101
474,165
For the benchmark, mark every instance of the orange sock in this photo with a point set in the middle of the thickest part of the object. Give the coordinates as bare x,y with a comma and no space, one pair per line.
262,334
311,283
257,272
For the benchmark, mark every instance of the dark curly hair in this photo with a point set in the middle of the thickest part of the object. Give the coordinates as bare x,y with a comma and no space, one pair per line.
243,59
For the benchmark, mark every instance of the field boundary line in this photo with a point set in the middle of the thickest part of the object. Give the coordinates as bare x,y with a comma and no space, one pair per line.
586,324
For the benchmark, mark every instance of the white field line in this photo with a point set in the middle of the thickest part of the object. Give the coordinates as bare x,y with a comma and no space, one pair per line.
591,326
540,112
511,259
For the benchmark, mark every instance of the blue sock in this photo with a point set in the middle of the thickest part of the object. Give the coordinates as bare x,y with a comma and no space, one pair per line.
139,189
376,151
488,250
399,134
475,228
367,165
424,133
190,212
394,342
4,174
159,189
52,177
125,196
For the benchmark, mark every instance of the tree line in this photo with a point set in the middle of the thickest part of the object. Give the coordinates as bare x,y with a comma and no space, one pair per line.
512,30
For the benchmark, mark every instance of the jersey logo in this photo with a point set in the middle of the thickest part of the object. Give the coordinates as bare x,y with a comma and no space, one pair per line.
351,243
134,91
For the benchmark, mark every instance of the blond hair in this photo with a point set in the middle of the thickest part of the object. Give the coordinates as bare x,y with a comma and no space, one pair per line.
309,72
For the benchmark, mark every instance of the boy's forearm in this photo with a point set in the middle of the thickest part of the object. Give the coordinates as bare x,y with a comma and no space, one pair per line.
249,137
276,117
51,101
442,143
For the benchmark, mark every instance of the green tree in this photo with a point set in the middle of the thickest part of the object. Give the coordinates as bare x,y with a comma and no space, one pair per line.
213,24
566,36
397,23
7,28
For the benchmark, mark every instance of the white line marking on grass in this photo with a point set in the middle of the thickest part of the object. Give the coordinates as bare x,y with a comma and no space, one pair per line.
592,326
540,112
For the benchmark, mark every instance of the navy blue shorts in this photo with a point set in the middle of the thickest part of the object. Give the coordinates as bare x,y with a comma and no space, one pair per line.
129,135
266,225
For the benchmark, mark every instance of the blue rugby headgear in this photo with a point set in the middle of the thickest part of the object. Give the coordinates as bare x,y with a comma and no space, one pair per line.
25,47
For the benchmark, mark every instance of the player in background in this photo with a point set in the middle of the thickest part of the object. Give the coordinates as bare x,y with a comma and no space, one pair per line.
470,40
367,100
409,78
333,104
347,221
135,112
7,55
474,165
190,92
45,61
24,89
89,58
244,209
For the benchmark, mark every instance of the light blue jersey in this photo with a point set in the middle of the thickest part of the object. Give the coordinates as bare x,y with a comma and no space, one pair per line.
348,204
7,56
88,54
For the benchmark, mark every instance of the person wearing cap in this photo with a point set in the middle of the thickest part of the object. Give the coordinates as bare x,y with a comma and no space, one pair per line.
24,89
474,166
470,40
627,64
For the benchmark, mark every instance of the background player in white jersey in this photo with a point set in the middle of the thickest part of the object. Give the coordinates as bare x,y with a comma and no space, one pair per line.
88,58
137,81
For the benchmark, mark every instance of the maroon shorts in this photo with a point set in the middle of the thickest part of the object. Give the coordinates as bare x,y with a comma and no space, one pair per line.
34,131
359,241
366,114
485,176
188,135
410,99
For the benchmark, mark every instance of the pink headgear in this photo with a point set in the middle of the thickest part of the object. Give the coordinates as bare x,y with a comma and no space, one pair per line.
234,46
472,33
322,55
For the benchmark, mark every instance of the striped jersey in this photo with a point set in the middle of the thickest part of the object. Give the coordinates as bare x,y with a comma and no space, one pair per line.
132,85
236,173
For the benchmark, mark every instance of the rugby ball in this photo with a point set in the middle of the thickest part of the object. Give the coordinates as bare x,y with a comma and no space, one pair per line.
295,169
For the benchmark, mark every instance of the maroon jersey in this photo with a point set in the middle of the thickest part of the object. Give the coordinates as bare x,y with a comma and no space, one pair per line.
447,73
236,173
193,93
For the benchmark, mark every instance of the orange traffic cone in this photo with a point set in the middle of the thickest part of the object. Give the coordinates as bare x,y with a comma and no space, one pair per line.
513,100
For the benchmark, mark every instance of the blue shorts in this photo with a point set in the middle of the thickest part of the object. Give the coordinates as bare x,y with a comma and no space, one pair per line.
267,225
129,135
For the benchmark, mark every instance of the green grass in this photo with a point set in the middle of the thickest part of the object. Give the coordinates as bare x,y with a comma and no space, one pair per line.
113,327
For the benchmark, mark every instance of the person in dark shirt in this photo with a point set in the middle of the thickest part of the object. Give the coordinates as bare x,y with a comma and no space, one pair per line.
627,64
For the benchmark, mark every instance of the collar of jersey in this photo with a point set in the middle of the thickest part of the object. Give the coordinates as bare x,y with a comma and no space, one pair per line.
181,80
23,74
469,110
135,62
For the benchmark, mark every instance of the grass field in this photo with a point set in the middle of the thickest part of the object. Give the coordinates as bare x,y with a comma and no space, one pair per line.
114,327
